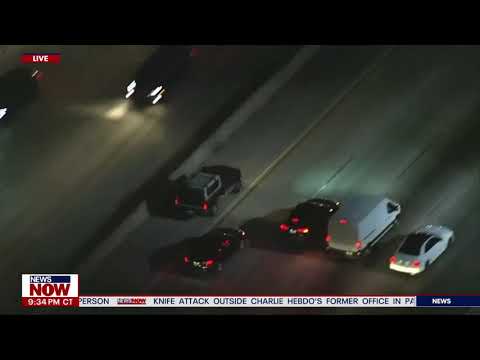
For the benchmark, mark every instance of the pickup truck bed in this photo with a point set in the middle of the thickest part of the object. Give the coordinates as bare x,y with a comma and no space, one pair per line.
229,175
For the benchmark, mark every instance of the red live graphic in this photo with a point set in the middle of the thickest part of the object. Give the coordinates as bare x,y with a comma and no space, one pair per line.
40,58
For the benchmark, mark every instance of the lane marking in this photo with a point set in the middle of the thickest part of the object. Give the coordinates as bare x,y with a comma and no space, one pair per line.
334,175
418,157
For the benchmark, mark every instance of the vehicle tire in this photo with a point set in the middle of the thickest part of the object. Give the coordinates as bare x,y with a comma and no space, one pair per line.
212,211
243,244
237,187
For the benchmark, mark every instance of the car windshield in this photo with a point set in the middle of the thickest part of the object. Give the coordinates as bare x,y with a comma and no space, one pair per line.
191,196
413,244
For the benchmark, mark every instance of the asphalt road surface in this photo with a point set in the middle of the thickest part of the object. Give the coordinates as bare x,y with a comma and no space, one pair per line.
364,121
70,159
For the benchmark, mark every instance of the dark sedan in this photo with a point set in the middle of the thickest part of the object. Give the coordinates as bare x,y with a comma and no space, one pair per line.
308,221
210,251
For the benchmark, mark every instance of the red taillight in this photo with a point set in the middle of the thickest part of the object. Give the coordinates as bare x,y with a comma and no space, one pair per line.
194,52
177,201
283,227
343,221
358,244
328,238
303,230
186,259
205,206
295,220
416,263
209,263
393,259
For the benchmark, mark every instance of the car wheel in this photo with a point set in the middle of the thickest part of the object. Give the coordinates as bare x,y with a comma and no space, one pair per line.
243,243
237,187
213,210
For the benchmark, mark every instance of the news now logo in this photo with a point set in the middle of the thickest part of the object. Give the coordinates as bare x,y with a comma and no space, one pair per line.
45,290
40,58
131,301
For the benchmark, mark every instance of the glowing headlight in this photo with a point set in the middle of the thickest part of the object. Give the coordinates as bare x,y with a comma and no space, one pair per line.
159,94
3,112
130,89
131,86
156,91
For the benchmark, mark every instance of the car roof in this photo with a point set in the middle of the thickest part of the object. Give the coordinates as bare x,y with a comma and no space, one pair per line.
355,208
200,180
313,206
207,244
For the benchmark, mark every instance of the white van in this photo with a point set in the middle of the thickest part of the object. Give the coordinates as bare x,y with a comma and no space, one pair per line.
360,223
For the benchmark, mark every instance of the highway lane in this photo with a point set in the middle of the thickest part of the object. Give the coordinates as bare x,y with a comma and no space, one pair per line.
420,150
408,130
320,82
72,156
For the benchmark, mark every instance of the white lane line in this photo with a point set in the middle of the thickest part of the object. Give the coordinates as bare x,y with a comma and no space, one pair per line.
418,157
334,175
363,75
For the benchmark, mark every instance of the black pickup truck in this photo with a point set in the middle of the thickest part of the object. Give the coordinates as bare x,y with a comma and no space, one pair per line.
199,194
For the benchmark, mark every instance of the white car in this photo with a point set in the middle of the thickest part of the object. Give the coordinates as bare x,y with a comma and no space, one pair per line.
421,248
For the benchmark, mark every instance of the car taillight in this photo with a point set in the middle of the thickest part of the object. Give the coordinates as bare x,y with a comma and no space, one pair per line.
393,259
177,201
303,230
328,238
209,263
343,221
194,52
283,227
295,220
416,263
358,244
205,206
186,259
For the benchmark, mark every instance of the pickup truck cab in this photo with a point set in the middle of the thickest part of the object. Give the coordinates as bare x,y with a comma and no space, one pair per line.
200,193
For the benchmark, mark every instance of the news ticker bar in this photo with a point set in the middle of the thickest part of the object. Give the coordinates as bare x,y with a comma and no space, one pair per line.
253,301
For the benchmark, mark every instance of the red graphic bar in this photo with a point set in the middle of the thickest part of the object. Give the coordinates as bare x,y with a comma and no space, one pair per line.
40,58
50,302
